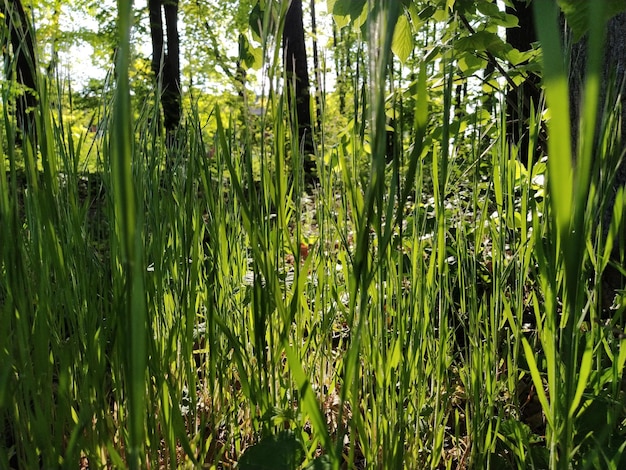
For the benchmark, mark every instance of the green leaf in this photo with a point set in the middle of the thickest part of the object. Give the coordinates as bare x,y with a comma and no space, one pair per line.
480,41
613,232
577,13
346,10
427,13
536,376
323,462
309,401
255,20
280,452
351,8
470,63
488,9
515,57
496,16
560,170
252,57
402,43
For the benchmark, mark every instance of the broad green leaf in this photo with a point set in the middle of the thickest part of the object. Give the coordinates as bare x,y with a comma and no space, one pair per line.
255,20
480,41
252,57
577,13
515,57
506,21
402,43
427,13
496,16
324,462
470,63
488,8
280,452
441,15
351,8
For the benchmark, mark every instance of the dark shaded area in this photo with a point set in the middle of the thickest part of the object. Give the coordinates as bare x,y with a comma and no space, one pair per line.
612,81
22,52
166,61
298,95
392,146
519,99
87,193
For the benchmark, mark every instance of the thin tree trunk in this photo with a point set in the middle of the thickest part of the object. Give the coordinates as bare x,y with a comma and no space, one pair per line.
156,35
171,71
166,63
521,99
318,74
614,66
338,70
297,86
23,49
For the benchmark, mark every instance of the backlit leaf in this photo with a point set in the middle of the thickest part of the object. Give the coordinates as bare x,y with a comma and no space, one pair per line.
351,8
402,44
577,13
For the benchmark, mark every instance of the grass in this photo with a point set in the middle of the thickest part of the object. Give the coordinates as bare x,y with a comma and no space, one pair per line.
432,312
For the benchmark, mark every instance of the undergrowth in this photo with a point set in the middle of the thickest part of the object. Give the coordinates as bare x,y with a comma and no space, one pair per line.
194,305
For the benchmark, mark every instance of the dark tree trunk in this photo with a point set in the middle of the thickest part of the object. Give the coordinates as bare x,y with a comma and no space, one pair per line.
459,95
23,49
166,61
614,66
519,99
489,99
338,53
297,86
156,35
612,72
171,70
318,75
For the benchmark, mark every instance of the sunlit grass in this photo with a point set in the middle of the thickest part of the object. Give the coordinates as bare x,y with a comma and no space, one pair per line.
197,305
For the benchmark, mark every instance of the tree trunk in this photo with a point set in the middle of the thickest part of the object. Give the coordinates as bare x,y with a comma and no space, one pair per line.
612,72
614,66
338,53
318,74
171,70
23,49
519,99
166,62
297,85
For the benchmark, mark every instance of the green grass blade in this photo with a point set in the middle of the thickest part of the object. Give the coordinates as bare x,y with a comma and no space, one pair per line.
584,372
132,294
536,376
557,96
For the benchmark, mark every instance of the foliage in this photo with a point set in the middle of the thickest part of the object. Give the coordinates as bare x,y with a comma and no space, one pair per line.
579,14
437,306
280,452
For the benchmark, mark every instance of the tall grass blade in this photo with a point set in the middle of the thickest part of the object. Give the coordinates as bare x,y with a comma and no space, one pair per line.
132,314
